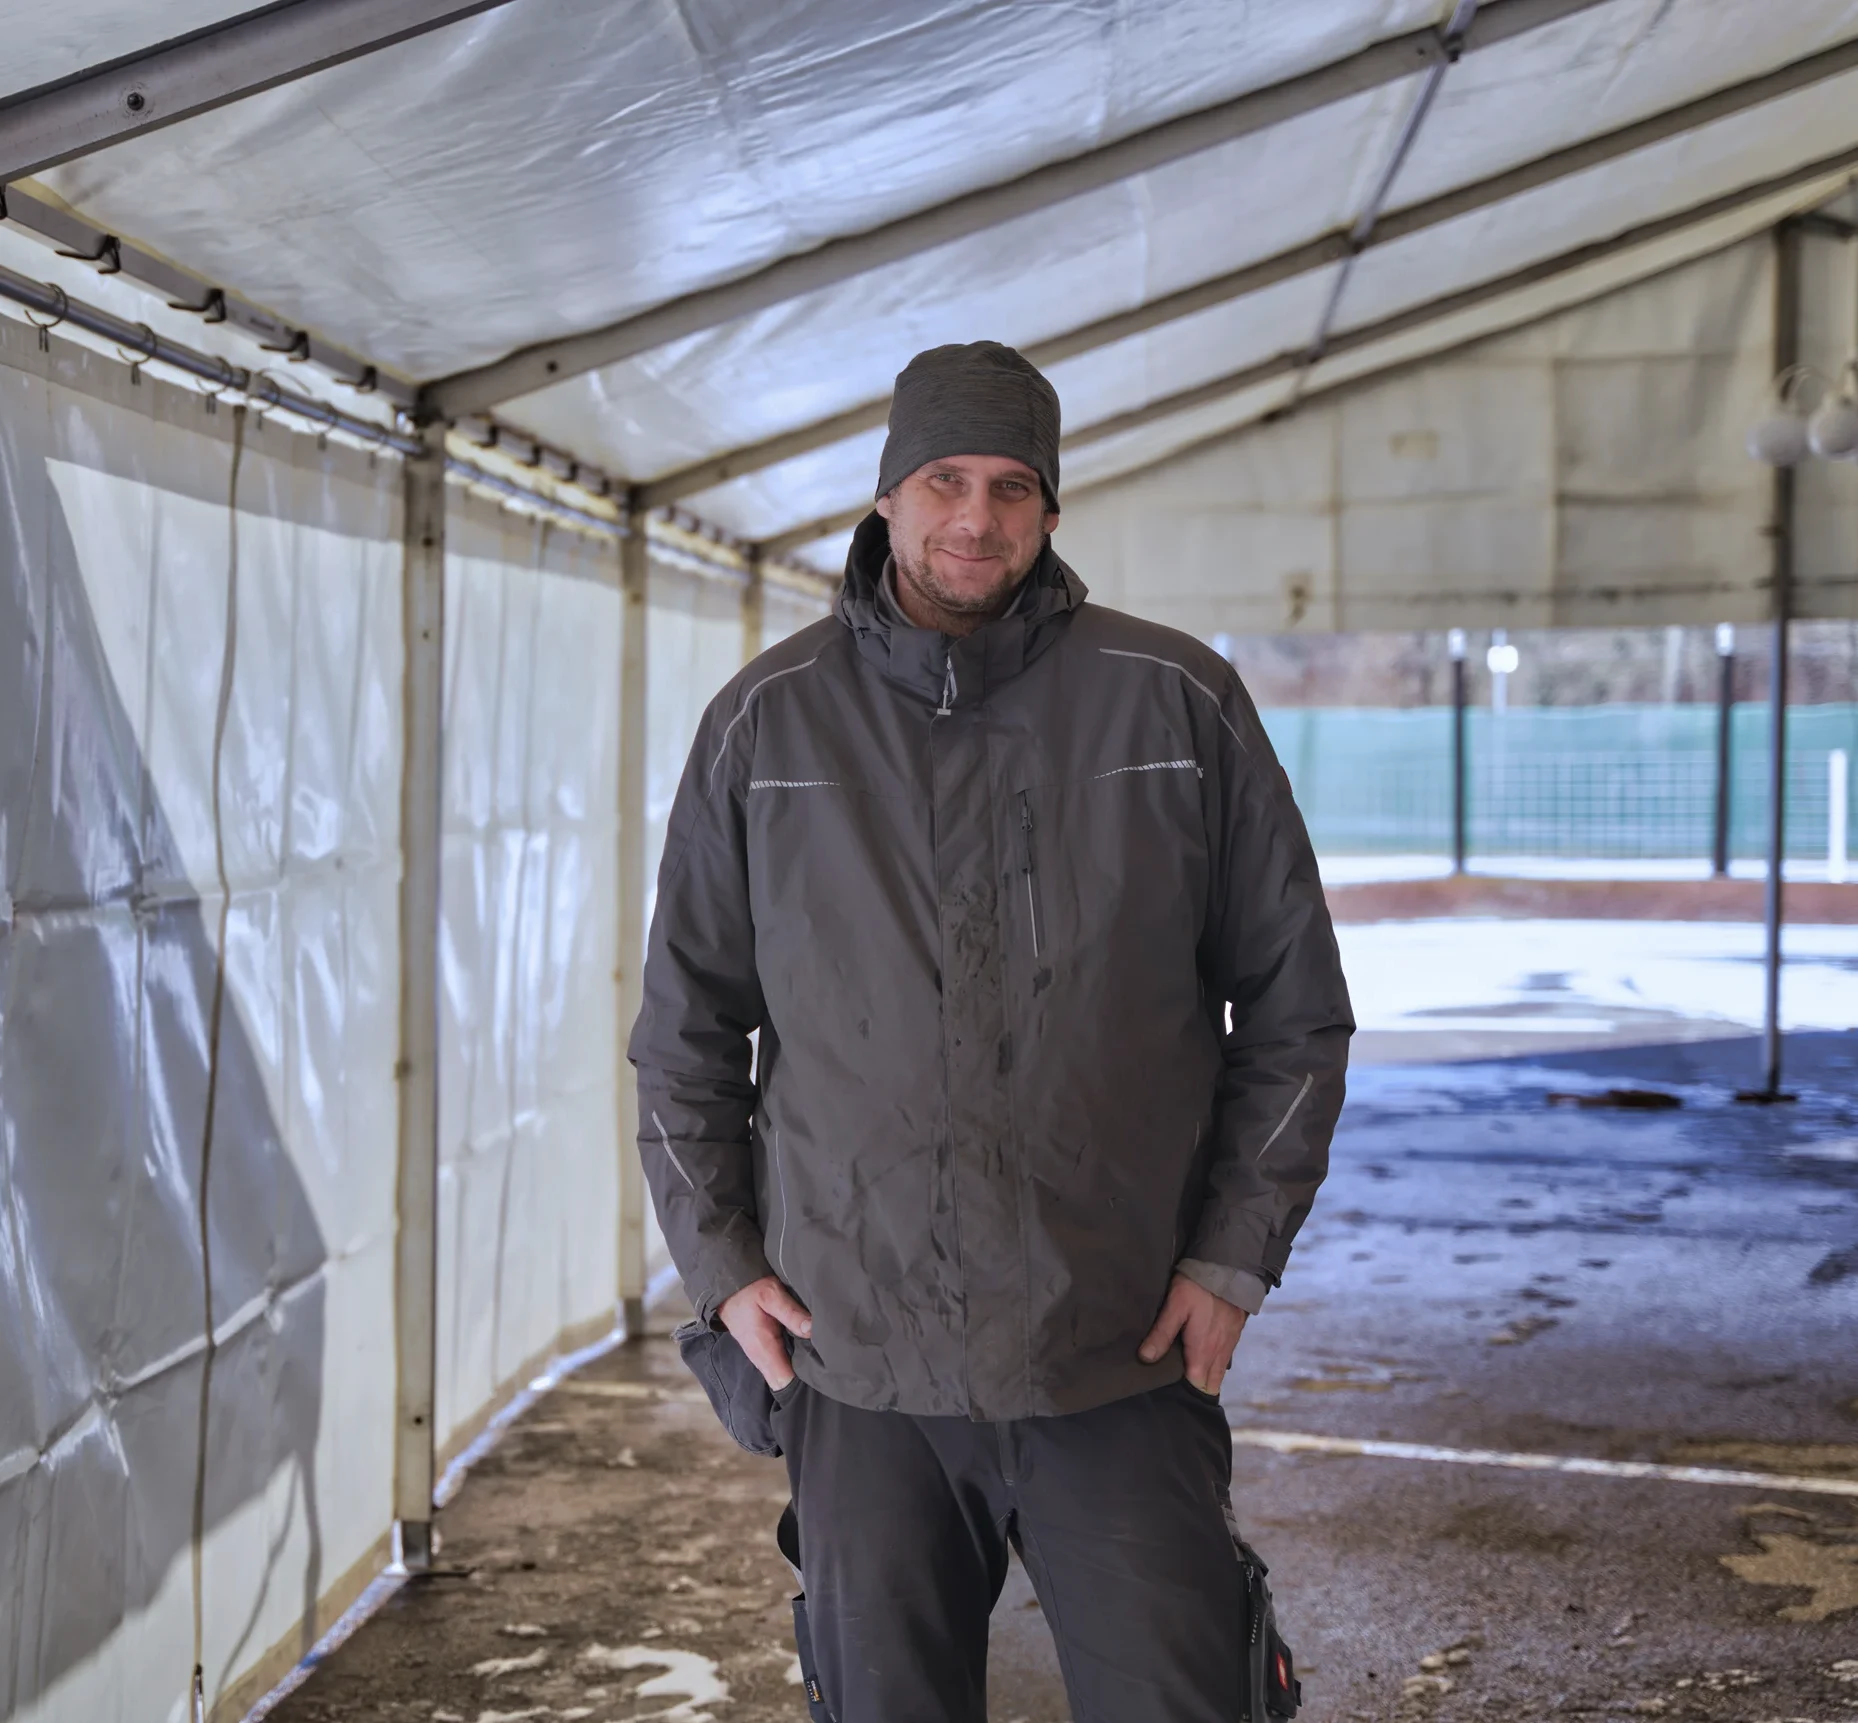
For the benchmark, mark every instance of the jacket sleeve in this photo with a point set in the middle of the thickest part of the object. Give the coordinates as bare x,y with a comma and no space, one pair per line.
702,1002
1269,955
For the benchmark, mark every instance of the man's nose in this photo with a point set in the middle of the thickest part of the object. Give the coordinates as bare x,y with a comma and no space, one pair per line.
974,514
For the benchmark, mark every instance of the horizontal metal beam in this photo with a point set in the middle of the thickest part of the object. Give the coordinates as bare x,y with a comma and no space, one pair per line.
1437,311
1465,299
1828,226
783,543
1386,62
1298,260
72,236
50,306
203,70
681,538
1340,388
1368,334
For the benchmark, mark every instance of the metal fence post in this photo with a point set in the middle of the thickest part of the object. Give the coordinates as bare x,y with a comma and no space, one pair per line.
1455,642
421,792
1838,816
1725,717
634,562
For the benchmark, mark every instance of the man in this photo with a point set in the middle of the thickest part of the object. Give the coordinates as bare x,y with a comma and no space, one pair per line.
987,867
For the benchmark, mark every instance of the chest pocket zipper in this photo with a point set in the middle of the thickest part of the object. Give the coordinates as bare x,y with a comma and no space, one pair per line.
1029,866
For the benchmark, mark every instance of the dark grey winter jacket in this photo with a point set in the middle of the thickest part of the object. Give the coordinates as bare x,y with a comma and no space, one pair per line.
987,904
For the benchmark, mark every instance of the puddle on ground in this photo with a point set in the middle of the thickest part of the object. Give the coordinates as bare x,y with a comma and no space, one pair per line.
1821,1561
1360,1376
1522,1329
1828,1571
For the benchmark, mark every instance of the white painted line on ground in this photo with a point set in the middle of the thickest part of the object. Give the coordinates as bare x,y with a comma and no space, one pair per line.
1292,1442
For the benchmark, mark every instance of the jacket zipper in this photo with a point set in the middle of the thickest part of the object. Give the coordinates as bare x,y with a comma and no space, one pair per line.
948,689
1028,866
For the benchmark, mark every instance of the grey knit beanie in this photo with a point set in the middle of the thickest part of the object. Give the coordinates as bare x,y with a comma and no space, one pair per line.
981,399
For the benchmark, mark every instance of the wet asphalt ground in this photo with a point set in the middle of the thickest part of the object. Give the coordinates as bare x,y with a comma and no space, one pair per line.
1487,1270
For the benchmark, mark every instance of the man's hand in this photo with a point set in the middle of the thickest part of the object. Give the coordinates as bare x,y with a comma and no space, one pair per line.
1208,1327
757,1316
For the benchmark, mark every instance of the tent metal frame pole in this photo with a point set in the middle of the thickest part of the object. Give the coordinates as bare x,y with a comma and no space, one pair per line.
1385,62
137,343
1361,234
634,585
1298,260
840,520
205,69
417,1070
754,610
1789,242
1466,299
70,235
52,307
1366,335
1404,322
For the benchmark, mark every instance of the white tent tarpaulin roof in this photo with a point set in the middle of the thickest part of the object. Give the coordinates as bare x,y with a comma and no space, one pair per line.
552,167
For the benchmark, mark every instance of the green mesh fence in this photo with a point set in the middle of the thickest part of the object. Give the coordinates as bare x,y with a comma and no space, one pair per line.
1600,781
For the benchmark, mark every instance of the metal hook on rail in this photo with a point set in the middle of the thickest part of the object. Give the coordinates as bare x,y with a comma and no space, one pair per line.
229,379
136,361
45,328
380,439
257,396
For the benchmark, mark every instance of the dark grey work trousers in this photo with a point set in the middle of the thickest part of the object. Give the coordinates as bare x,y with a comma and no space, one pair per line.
1121,1515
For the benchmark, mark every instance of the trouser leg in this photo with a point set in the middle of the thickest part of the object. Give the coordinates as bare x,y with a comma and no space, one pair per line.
903,1550
1122,1519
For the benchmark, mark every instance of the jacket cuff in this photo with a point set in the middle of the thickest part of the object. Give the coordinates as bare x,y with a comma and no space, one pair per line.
1235,1285
739,1268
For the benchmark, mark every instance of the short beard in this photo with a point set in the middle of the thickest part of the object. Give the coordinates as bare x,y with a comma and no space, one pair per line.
923,579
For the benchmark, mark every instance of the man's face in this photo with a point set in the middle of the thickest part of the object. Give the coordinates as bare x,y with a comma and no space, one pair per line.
966,529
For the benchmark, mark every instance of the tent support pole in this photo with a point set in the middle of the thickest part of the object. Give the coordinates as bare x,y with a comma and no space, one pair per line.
421,788
754,610
1788,240
634,563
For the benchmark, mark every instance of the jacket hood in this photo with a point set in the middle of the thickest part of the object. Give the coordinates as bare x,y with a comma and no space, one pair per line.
945,671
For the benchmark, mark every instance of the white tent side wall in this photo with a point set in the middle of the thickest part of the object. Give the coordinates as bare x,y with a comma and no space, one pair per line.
1586,471
199,812
529,1129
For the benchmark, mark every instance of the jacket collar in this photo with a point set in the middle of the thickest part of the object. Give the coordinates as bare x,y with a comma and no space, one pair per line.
949,673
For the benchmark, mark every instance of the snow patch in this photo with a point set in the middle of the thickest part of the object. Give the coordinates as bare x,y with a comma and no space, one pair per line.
492,1667
689,1677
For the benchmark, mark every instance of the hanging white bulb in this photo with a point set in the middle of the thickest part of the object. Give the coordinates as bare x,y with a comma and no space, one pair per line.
1780,437
1832,432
